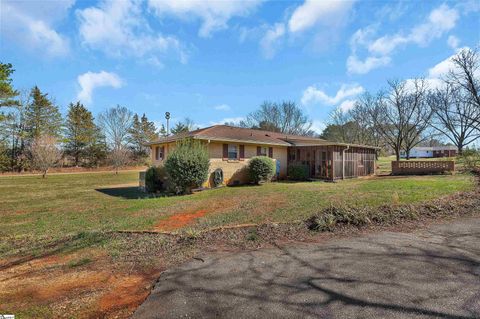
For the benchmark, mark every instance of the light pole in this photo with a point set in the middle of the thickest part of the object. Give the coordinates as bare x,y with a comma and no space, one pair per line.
167,117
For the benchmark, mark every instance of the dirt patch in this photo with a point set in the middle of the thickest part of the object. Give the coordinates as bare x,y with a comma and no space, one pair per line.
179,220
259,206
99,288
127,292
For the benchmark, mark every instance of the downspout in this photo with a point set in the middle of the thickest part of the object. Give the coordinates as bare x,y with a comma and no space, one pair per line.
343,161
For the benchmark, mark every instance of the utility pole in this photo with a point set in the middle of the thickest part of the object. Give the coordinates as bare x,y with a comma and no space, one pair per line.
167,117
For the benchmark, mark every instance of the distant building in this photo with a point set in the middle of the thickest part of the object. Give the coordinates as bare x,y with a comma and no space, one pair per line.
433,151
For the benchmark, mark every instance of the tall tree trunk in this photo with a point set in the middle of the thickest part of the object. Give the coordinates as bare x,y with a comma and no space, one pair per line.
460,149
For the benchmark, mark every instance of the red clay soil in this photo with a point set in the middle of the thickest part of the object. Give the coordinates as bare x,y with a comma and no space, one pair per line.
92,291
179,220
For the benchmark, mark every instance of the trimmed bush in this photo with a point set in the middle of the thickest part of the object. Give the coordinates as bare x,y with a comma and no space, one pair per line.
155,179
187,165
261,168
298,172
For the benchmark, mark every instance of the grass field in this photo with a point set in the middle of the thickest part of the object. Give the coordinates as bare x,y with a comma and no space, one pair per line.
76,209
32,208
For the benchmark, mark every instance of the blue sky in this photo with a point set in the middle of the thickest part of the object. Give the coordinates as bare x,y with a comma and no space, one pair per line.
215,61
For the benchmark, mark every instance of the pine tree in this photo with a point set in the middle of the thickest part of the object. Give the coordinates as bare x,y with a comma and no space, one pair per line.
7,92
149,129
80,132
162,132
42,116
141,132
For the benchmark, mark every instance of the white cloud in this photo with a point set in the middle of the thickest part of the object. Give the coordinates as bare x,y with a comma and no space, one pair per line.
354,65
313,12
213,13
440,20
453,42
318,126
119,29
31,24
436,74
313,95
269,42
234,120
442,68
222,107
90,81
346,105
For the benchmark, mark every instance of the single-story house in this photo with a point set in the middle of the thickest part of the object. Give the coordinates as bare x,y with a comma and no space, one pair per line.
432,151
230,149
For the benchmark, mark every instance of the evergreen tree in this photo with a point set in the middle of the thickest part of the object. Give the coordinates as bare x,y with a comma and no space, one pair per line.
96,152
42,116
7,93
162,131
141,132
81,132
184,126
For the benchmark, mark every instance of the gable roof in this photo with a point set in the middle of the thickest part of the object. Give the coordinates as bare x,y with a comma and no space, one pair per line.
226,133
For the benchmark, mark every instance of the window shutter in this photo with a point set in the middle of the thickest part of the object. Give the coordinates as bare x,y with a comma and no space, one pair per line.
225,152
270,152
259,150
163,152
242,152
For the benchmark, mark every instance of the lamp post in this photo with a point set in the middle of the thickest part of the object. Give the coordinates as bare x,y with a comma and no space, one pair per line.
167,117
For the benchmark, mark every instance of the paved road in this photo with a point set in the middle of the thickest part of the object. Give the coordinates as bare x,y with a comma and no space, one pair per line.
432,273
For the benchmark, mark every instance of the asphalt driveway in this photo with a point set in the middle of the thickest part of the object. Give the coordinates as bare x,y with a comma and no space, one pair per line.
432,273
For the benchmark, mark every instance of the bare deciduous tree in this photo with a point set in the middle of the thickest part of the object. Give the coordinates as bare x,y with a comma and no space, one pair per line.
116,123
119,157
454,116
466,75
402,115
45,153
285,117
362,115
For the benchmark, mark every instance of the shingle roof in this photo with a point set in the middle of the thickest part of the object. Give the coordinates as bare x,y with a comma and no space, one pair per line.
246,135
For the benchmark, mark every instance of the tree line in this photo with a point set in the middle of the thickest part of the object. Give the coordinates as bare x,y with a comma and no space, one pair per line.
409,113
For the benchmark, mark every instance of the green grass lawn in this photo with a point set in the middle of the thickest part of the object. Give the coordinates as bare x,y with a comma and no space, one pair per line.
34,210
54,251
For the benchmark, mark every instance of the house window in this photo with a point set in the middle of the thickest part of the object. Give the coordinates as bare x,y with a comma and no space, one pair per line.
232,152
292,155
263,151
159,153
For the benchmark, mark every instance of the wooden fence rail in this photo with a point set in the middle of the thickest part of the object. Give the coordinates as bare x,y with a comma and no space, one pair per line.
422,167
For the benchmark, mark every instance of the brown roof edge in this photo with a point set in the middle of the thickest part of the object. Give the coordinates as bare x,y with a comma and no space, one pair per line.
327,143
268,138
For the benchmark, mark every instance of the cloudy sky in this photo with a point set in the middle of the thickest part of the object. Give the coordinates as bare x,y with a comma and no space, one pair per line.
215,61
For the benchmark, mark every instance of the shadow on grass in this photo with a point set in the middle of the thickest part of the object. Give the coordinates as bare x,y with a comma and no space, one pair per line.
131,192
64,245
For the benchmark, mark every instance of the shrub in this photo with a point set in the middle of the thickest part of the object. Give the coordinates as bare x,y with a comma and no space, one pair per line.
261,168
471,160
155,179
187,165
298,172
